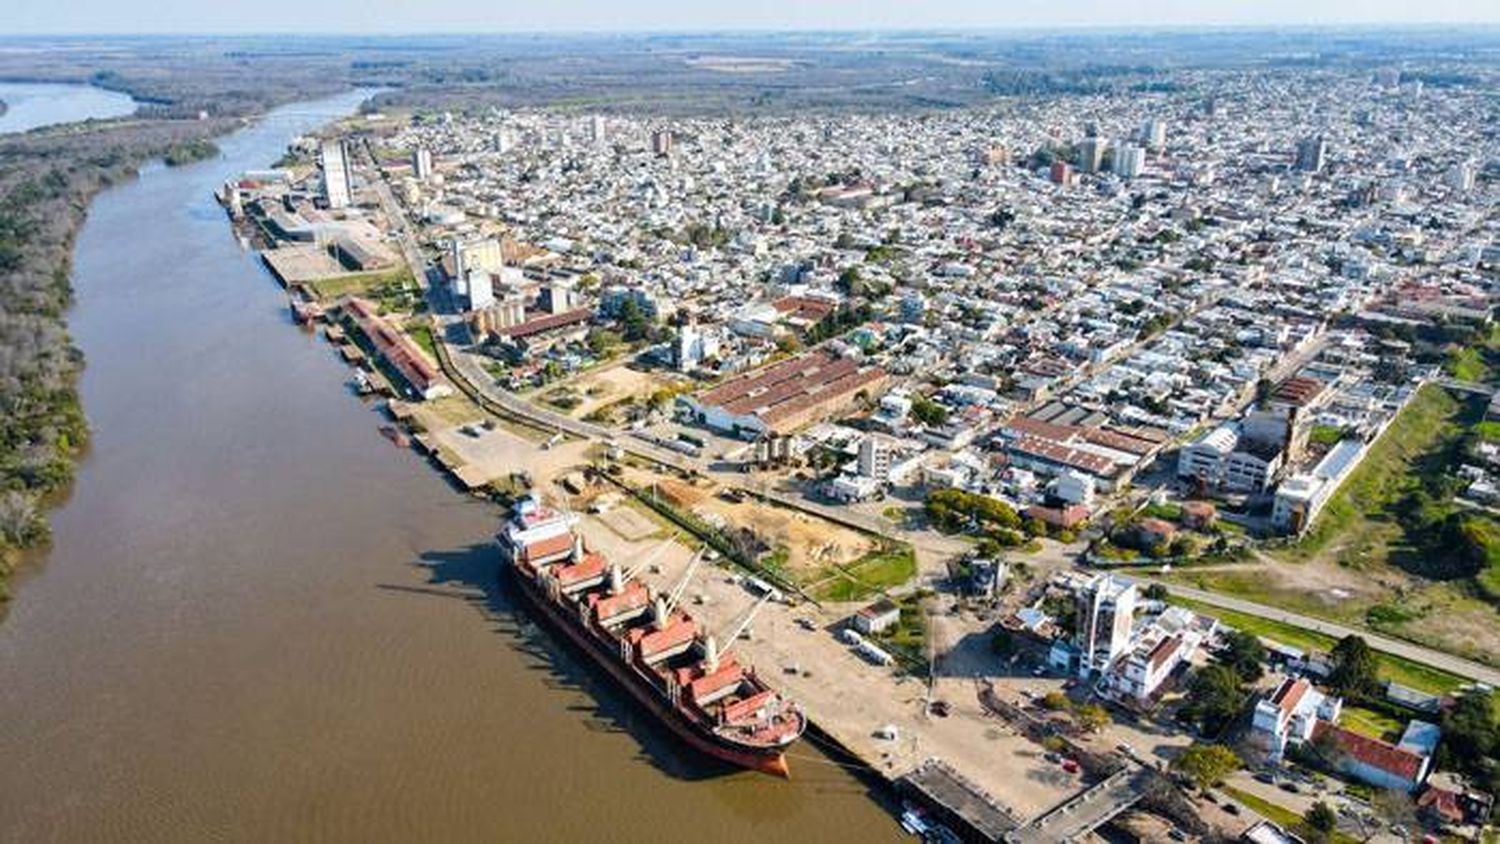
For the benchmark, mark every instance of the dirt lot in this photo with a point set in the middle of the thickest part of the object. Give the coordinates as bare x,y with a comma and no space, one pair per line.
813,545
604,386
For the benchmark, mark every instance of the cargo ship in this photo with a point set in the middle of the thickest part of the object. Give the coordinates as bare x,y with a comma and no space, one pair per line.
652,648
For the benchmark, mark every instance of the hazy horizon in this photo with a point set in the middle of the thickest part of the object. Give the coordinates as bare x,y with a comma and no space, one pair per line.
461,17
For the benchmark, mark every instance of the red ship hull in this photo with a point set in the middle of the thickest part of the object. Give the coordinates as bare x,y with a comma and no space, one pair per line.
770,761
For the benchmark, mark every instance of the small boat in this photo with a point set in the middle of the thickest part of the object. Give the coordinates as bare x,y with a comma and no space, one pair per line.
306,312
362,383
913,822
395,435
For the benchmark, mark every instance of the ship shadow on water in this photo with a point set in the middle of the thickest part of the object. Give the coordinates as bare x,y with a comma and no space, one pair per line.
477,569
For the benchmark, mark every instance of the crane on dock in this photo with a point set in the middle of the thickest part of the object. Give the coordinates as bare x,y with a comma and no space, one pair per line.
712,653
618,578
665,606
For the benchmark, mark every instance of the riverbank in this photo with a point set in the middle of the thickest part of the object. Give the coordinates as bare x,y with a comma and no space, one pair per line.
48,179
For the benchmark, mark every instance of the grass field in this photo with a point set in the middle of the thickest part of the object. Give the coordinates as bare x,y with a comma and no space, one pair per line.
1370,723
1355,524
423,336
1403,671
890,565
1279,815
347,285
1476,362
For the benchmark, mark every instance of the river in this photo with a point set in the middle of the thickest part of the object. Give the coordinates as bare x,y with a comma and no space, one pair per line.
30,105
259,620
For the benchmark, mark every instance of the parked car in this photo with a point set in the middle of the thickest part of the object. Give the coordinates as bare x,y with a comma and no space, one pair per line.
1231,808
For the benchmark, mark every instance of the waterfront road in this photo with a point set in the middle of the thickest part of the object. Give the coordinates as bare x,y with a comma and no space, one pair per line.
1395,647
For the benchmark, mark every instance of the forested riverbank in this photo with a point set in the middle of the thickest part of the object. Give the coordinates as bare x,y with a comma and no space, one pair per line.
47,179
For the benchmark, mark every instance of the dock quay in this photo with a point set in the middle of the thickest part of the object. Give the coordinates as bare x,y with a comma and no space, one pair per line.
954,801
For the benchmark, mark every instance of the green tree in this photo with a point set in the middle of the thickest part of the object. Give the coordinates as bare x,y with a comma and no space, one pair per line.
1207,764
1002,643
1243,653
601,342
1321,821
1471,734
1056,701
928,412
1090,717
1356,670
634,321
1215,698
849,281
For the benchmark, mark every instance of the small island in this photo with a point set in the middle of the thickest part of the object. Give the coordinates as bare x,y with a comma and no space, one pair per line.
3,108
188,152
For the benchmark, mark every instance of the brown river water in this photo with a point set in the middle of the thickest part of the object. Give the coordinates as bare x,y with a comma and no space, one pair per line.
261,621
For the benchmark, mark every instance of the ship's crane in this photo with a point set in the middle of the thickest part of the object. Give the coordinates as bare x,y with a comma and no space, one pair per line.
711,652
665,606
618,578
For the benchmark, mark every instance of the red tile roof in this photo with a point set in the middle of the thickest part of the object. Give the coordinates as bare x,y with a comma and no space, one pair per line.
1289,694
779,391
804,307
1298,391
543,324
398,349
1374,752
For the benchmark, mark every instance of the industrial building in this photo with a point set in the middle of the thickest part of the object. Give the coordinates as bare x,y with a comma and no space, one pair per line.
786,396
398,350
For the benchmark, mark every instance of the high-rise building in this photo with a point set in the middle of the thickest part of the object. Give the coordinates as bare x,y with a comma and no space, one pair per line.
421,163
661,142
1461,177
336,176
596,128
1062,173
693,347
1154,133
1312,154
1105,613
1090,154
481,291
1129,160
875,457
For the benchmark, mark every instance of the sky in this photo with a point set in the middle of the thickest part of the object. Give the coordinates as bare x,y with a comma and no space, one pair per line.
490,16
